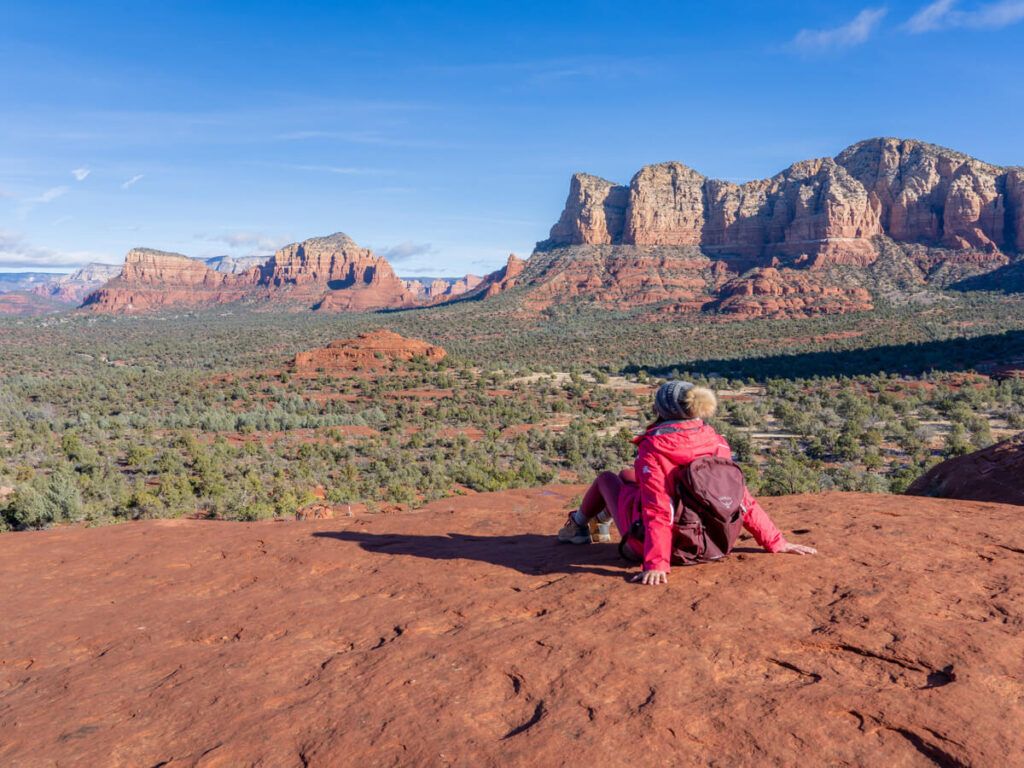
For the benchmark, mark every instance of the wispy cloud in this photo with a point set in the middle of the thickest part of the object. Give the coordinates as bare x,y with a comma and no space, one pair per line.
370,138
945,14
81,174
16,252
246,240
539,71
855,32
49,195
406,250
341,170
133,181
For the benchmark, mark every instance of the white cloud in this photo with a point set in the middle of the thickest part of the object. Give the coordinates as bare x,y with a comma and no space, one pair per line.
49,195
132,181
81,174
930,17
255,242
341,170
944,14
854,32
16,252
406,250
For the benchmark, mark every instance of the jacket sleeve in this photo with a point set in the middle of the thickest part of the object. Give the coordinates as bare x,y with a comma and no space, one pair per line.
656,508
761,527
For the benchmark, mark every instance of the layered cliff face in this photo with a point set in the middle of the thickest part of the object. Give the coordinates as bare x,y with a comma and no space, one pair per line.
153,279
330,273
811,240
822,211
1015,196
594,212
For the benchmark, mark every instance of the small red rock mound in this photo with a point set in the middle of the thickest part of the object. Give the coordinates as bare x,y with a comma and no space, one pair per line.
995,473
463,635
772,292
367,352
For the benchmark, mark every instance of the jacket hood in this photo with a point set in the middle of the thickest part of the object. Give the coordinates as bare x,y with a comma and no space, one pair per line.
680,440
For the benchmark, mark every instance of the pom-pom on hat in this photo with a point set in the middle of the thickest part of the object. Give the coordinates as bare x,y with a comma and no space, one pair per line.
679,400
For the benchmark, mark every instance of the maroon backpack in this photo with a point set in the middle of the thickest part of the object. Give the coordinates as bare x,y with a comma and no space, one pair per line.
709,512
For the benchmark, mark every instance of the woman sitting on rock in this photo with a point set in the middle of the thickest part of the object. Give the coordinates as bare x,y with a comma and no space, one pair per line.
648,493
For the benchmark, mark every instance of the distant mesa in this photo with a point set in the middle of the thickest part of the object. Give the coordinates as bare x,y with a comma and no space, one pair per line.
331,274
373,351
993,474
27,294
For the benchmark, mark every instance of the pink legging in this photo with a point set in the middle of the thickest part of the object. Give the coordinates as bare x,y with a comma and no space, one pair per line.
604,493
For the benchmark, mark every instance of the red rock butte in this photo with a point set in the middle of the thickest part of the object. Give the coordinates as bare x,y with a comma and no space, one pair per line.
367,352
463,635
332,274
827,208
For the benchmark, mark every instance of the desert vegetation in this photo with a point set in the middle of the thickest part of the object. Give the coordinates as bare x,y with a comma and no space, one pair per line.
104,419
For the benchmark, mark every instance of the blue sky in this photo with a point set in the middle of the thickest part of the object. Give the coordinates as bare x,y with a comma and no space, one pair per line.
443,135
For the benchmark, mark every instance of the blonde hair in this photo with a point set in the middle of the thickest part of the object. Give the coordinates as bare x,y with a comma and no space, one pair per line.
700,403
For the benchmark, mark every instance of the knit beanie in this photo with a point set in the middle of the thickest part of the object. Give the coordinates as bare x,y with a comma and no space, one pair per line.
668,402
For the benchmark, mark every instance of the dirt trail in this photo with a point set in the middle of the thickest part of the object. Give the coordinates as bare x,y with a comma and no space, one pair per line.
461,635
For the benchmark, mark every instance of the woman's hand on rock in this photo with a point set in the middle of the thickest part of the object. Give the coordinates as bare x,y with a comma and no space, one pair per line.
651,577
798,549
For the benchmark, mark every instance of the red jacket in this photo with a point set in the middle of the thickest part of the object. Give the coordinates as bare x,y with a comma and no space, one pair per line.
661,451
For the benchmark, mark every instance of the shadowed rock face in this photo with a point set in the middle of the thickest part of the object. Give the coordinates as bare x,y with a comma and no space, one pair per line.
995,474
462,634
827,210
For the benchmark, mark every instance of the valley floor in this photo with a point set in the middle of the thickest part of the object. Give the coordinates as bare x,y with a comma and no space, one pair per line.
461,634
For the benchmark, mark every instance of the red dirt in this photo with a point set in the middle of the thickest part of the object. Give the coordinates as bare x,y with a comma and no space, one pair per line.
463,635
473,433
425,393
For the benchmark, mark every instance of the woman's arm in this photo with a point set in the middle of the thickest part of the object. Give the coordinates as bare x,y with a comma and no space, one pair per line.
656,508
766,533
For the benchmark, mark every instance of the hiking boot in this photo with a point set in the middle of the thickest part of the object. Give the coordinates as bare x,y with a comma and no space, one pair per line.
600,532
573,533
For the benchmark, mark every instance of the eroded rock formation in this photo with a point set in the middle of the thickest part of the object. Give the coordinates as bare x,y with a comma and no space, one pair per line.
825,210
153,279
776,293
331,273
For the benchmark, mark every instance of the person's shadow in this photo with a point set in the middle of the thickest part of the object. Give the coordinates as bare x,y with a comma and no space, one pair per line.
530,553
